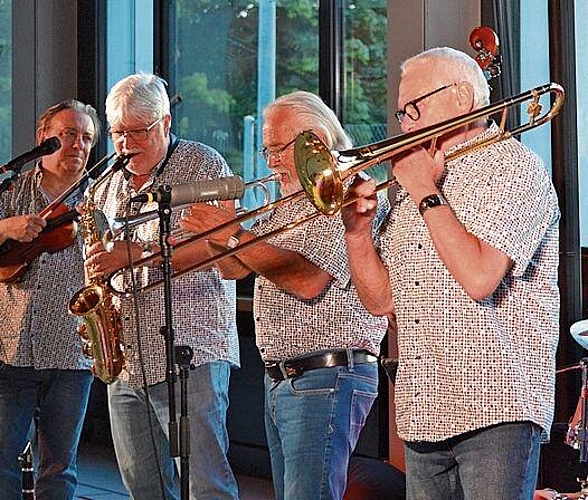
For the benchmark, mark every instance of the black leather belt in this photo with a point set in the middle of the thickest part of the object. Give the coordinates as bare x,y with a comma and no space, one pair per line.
295,367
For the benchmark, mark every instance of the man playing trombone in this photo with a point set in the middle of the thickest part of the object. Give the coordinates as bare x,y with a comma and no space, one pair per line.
42,368
468,265
318,343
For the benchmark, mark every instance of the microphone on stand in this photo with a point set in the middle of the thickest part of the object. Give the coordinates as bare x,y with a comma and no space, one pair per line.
225,188
10,170
47,147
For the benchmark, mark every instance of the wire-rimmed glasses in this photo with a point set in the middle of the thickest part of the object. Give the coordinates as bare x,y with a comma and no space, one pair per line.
266,154
138,134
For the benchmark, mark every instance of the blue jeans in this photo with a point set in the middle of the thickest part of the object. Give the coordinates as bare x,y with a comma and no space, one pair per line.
312,425
141,441
497,462
62,398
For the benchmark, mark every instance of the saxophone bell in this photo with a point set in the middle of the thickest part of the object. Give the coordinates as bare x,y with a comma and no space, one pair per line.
100,331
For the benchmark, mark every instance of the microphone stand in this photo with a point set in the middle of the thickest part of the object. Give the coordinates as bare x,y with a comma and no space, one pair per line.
179,441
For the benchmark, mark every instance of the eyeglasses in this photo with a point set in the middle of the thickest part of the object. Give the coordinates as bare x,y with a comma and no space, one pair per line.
411,109
70,136
266,154
138,134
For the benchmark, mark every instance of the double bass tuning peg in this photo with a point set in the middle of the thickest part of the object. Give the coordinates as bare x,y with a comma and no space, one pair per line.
485,41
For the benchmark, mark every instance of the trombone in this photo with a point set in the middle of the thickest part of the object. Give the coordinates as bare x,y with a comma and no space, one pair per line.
323,173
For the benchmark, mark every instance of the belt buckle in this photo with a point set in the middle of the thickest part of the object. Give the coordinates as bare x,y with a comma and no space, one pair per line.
290,371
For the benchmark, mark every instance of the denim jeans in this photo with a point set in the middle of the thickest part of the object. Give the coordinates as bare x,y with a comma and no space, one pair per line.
312,426
62,398
497,462
141,440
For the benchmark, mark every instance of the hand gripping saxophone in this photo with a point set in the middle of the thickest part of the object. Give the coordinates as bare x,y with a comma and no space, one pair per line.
101,329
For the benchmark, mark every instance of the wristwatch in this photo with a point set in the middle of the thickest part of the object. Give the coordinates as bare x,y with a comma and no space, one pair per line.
235,238
431,201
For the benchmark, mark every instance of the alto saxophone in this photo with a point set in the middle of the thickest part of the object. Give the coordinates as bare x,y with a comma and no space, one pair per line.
101,329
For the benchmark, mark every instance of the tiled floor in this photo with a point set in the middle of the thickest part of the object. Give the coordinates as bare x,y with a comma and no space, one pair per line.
99,478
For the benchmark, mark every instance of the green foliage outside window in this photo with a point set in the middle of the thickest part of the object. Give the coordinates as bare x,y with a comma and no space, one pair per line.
214,53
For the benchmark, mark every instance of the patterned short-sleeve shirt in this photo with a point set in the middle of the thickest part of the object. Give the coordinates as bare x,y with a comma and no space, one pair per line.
37,329
203,304
287,326
467,364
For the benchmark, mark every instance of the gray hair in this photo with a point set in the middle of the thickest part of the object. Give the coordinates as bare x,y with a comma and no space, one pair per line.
314,115
44,121
142,97
462,66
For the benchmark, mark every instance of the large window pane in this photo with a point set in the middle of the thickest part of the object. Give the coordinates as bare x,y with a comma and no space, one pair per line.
229,59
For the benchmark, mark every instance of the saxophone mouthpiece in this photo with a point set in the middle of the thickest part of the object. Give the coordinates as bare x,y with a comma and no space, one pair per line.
121,161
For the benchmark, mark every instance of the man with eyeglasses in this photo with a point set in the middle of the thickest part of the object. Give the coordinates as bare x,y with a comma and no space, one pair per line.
43,373
318,343
468,265
203,308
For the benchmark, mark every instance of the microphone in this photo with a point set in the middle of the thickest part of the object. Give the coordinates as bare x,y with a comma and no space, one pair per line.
47,147
579,331
226,188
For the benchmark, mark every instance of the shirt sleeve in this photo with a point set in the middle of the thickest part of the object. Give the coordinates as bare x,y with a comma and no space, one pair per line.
518,206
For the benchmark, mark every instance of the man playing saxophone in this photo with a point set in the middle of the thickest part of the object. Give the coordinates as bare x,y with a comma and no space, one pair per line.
203,309
42,368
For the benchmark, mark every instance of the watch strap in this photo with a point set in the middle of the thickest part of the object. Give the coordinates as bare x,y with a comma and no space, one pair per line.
431,201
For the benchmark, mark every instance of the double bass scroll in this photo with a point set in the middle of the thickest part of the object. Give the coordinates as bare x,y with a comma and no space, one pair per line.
485,41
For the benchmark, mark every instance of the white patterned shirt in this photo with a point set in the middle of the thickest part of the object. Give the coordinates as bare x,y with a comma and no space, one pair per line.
467,364
287,326
37,329
203,304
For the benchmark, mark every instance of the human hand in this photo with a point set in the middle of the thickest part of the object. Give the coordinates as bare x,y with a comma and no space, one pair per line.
24,228
204,217
100,263
418,172
358,215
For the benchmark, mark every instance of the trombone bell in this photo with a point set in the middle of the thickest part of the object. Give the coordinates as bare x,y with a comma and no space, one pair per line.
318,173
